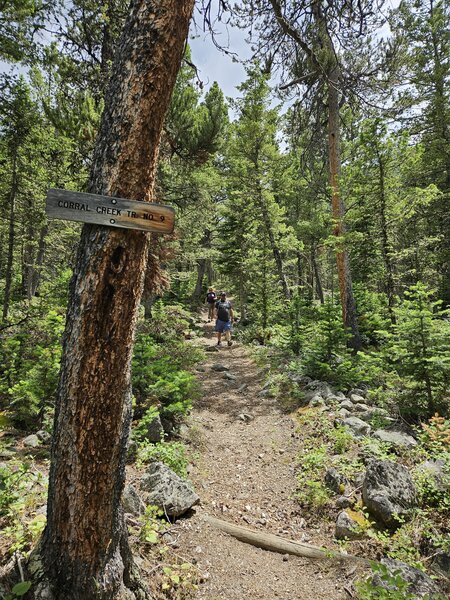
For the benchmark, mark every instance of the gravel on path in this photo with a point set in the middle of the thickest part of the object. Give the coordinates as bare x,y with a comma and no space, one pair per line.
244,472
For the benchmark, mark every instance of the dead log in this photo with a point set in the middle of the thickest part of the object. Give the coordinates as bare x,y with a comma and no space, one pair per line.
275,543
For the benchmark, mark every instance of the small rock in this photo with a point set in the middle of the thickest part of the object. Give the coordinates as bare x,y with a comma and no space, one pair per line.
211,348
229,376
347,405
334,480
31,441
132,450
345,502
357,426
42,510
154,430
220,368
318,387
266,394
374,412
360,407
242,387
420,585
358,392
441,563
200,369
357,399
44,436
343,413
317,400
131,501
395,438
285,557
245,417
346,527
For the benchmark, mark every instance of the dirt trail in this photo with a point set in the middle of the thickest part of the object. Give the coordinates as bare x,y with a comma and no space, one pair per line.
244,473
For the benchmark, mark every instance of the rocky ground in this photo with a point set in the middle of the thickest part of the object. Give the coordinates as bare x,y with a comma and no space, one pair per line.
244,472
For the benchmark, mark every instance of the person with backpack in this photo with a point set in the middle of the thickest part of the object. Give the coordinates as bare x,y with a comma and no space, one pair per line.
224,313
211,299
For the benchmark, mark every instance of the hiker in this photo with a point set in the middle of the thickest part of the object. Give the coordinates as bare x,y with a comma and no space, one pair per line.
211,301
224,313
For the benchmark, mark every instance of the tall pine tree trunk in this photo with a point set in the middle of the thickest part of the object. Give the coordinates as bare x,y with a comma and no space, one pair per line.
385,246
84,549
11,240
349,316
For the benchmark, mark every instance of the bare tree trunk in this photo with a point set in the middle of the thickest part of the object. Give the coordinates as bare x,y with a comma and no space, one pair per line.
11,239
202,265
36,274
349,316
315,266
198,291
84,549
385,247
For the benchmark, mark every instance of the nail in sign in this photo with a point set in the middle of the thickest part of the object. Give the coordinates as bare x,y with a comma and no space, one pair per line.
113,212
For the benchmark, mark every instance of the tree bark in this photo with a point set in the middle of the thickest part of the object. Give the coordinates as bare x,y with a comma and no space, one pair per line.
385,246
333,73
11,239
84,549
349,316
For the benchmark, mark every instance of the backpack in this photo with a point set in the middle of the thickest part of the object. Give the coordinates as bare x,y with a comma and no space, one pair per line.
210,297
223,311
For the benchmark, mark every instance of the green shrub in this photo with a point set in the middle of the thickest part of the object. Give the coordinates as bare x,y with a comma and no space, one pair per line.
30,360
173,454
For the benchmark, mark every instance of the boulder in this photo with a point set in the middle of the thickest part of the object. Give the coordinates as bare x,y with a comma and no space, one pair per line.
357,427
167,490
388,491
220,368
31,441
334,480
360,407
419,584
395,438
155,431
347,527
131,501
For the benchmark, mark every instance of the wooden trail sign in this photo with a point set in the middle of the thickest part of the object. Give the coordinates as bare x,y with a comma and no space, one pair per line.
113,212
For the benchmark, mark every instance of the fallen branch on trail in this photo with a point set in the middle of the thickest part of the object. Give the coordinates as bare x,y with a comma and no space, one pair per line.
274,543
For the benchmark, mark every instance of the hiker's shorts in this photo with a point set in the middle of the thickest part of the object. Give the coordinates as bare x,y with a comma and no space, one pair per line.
222,326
